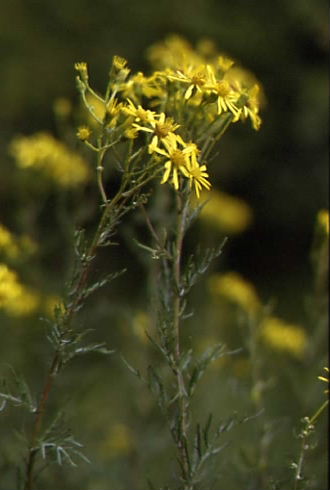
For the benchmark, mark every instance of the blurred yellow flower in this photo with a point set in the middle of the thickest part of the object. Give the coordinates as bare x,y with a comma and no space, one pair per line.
283,336
141,325
227,213
174,52
14,247
8,244
62,107
235,289
119,440
15,299
57,162
323,220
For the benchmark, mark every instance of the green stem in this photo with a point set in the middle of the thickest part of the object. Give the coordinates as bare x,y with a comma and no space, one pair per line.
319,411
306,433
56,360
99,170
183,406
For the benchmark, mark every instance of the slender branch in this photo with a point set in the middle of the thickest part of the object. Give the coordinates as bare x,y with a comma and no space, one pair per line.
305,434
56,361
182,436
159,243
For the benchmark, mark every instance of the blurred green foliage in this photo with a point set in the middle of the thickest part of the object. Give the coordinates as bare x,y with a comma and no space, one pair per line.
281,172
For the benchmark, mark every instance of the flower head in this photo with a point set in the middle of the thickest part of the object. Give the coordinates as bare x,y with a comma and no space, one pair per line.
177,155
140,114
161,127
83,133
81,68
195,77
226,96
197,173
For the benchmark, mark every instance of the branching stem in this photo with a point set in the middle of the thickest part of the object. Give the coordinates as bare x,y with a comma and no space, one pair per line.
81,282
183,405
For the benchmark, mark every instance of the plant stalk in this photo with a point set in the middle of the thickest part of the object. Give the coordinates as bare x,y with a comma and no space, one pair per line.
56,360
183,406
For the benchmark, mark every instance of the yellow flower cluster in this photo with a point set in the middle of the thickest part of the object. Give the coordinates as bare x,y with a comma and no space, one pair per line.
56,162
15,299
275,333
177,113
226,213
235,289
211,77
283,336
14,247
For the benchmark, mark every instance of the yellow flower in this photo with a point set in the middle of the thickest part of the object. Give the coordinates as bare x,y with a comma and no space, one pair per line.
8,244
131,133
195,77
224,63
251,107
139,85
143,115
226,96
81,67
119,440
162,127
197,173
62,107
323,221
51,157
206,48
235,289
228,213
15,299
141,325
15,247
119,71
174,52
283,336
83,133
114,111
177,158
119,63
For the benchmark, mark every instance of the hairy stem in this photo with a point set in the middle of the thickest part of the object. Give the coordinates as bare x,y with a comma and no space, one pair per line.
55,364
183,404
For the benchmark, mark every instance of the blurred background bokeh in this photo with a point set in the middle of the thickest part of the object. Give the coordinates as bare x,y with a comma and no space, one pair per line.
278,175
